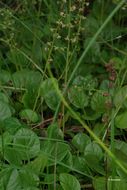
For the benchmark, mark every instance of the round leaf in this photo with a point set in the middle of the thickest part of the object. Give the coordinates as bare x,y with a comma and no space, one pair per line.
77,97
28,143
99,101
5,111
94,149
29,115
121,120
80,141
69,182
52,99
120,97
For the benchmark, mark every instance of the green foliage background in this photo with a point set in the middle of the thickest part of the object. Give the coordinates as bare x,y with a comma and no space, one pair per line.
63,95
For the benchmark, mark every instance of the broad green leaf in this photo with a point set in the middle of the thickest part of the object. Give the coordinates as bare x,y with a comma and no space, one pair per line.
87,83
52,99
120,97
27,78
121,145
100,102
17,58
5,111
99,129
47,86
56,151
80,164
12,155
60,151
29,115
121,151
29,98
67,161
3,97
5,77
99,183
118,63
77,97
117,183
90,114
11,125
39,163
9,179
28,178
105,86
49,178
5,139
69,182
93,155
55,132
30,188
28,143
79,81
80,141
94,149
13,182
49,93
94,163
121,120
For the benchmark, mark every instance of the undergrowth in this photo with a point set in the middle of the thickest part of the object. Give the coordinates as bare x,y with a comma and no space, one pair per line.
63,95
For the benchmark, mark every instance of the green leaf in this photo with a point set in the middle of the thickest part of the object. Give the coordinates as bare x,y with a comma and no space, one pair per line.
27,78
94,163
60,151
17,58
77,97
47,86
99,129
69,182
29,115
5,139
99,183
99,101
11,125
67,161
94,149
49,93
13,182
52,99
49,179
29,98
9,179
12,155
121,145
80,164
118,63
121,120
5,77
87,83
39,163
28,143
56,150
3,97
55,132
121,151
120,97
91,114
80,141
93,155
5,111
28,178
